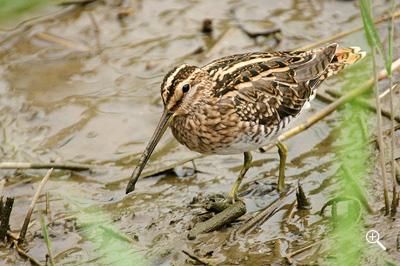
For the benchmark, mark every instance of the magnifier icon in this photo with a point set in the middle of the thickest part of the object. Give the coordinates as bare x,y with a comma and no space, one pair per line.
373,237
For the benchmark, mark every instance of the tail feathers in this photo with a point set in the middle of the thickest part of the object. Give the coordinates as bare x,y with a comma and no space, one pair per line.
343,58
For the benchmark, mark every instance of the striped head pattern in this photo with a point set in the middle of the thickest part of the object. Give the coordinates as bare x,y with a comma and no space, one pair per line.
182,88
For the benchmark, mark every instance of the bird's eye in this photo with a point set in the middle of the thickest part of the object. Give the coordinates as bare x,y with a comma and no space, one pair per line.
185,88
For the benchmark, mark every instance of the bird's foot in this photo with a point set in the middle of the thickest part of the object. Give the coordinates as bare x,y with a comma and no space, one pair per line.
231,199
219,206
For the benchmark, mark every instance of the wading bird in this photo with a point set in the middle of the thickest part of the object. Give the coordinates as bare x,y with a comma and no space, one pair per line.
242,102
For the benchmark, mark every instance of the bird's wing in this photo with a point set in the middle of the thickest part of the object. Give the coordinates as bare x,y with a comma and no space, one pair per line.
267,87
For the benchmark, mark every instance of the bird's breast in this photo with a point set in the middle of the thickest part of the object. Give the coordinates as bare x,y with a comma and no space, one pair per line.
219,134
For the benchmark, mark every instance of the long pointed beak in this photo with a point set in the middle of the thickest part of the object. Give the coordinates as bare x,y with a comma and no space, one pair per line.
161,127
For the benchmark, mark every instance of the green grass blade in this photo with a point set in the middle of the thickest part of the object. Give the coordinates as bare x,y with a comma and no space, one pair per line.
46,237
372,32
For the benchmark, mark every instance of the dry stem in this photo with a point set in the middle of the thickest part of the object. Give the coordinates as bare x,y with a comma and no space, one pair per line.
68,166
380,137
32,206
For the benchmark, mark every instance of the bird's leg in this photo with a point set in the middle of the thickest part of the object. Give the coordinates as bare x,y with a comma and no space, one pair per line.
232,196
282,150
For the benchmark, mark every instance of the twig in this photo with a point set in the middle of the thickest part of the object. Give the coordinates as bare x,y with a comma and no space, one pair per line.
32,206
361,193
121,236
12,235
220,219
26,255
46,237
67,166
199,260
341,35
261,215
331,107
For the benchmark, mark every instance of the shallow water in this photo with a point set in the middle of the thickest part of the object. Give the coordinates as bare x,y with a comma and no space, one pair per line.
64,104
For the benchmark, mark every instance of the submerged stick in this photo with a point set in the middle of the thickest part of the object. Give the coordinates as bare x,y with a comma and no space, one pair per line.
67,166
220,219
26,255
32,206
60,41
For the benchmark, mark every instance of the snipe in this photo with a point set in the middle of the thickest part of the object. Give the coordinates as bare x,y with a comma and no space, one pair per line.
242,102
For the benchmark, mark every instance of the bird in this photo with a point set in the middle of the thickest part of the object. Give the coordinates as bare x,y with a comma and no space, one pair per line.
240,103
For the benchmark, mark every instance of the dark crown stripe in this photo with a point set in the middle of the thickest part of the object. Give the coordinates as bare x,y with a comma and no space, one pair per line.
176,76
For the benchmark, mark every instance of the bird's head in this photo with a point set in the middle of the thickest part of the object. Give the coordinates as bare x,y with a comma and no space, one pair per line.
181,90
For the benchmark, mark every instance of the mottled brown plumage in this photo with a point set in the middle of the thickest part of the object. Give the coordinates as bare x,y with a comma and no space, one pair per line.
239,103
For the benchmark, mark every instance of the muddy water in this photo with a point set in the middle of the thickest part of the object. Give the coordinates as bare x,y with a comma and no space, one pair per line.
94,98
